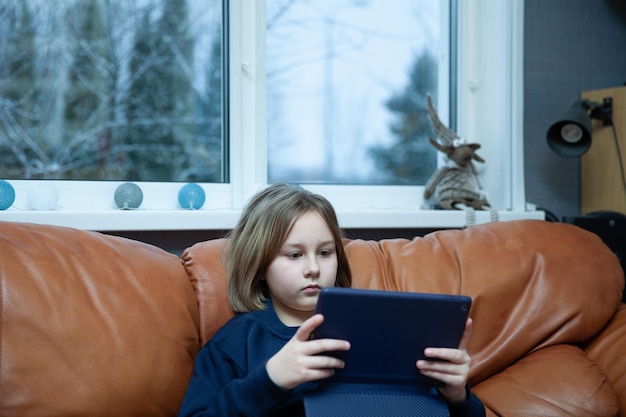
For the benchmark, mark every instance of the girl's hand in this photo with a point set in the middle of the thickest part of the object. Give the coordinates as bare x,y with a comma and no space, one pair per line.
452,370
300,360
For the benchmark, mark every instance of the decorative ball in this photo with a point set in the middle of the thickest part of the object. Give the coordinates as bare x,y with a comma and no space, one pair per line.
7,195
191,196
128,196
43,197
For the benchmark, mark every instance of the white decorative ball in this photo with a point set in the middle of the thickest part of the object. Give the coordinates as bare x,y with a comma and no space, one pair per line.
43,197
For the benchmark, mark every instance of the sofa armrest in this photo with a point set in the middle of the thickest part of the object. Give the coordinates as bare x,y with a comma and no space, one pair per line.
204,266
530,386
608,350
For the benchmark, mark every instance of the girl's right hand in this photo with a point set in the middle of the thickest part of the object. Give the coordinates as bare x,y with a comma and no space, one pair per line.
300,361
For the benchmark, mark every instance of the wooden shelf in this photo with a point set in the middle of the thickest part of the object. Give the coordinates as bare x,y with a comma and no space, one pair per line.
601,186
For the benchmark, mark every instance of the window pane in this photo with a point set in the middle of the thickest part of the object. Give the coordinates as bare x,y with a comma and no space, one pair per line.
112,90
347,82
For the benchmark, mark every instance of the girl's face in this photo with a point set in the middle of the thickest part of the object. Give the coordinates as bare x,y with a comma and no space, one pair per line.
306,263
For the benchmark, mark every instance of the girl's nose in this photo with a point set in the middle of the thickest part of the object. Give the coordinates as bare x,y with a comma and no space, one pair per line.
312,268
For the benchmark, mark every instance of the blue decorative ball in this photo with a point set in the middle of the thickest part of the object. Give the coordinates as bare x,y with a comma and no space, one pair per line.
128,196
191,196
7,195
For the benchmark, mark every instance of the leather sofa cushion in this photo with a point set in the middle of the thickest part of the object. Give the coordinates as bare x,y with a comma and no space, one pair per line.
607,350
92,325
531,282
545,375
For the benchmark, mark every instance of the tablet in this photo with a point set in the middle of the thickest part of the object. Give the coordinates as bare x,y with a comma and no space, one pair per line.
388,331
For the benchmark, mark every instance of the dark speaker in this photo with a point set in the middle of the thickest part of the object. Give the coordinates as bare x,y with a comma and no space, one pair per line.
611,228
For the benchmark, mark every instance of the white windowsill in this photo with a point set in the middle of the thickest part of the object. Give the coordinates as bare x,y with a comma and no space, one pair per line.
116,220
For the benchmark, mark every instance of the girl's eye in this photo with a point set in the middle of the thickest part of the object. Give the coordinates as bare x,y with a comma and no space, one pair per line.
326,252
294,255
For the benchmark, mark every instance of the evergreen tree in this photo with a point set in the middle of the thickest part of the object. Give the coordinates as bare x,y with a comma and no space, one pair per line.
86,97
208,150
108,95
161,97
18,92
411,159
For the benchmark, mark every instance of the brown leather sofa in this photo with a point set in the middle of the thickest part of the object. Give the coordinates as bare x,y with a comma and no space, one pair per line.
95,325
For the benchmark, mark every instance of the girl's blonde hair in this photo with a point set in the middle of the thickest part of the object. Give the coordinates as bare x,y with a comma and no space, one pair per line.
261,231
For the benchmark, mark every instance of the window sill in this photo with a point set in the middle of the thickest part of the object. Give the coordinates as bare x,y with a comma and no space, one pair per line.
117,220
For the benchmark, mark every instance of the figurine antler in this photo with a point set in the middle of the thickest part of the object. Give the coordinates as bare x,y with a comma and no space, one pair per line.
447,136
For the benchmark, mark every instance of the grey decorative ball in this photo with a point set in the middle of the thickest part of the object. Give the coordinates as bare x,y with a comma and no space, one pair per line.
128,196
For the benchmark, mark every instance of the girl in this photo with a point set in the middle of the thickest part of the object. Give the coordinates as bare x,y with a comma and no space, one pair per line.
285,248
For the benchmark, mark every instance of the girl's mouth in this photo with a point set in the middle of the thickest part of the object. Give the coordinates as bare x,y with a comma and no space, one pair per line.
311,289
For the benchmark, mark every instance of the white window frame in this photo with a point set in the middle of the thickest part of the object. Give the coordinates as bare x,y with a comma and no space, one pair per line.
490,97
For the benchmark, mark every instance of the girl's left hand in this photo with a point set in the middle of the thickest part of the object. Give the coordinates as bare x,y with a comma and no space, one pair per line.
453,368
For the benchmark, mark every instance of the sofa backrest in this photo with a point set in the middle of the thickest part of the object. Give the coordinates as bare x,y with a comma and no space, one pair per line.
92,325
99,325
533,283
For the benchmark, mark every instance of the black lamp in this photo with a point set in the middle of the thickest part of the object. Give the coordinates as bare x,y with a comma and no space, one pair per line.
570,136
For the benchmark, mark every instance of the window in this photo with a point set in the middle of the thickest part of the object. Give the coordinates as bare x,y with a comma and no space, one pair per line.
488,110
112,90
346,85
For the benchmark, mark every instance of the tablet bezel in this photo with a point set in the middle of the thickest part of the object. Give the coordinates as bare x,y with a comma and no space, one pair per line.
377,324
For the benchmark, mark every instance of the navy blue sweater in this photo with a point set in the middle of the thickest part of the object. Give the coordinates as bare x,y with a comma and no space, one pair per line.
230,378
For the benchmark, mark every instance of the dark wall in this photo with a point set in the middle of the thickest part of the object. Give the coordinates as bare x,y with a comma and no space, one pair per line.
570,46
173,241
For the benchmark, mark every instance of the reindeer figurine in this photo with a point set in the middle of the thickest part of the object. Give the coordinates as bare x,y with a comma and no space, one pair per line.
456,183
